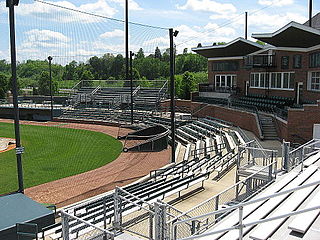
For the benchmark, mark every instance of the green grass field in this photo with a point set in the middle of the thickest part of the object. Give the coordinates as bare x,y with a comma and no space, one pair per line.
53,153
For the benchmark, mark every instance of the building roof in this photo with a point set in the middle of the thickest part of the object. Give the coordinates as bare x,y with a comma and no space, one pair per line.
238,47
315,21
291,35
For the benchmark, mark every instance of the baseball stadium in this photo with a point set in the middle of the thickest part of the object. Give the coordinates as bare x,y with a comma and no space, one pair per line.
135,144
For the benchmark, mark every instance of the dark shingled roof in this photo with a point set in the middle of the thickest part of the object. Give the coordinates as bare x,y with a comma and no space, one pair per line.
315,21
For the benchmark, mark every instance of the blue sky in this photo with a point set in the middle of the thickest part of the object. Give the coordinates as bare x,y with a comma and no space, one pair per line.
44,30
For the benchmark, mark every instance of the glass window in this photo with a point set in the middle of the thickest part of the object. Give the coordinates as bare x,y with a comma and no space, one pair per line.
291,83
256,80
315,81
252,80
273,80
228,81
297,61
262,80
285,80
225,66
218,81
223,81
278,85
285,62
314,60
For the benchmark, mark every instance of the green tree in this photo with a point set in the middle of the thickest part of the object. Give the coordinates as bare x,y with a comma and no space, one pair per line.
44,84
140,54
188,85
4,81
157,53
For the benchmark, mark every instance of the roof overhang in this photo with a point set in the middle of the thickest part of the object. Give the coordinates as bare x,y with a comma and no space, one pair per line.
292,35
236,48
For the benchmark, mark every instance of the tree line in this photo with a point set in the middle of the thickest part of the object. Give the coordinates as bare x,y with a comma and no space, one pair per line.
35,73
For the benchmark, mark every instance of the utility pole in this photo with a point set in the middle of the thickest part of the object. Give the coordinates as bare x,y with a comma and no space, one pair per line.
131,85
172,103
51,91
19,149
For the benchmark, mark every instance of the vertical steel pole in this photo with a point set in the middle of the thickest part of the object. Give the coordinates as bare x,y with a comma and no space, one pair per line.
19,151
127,39
172,103
131,86
246,26
51,91
310,13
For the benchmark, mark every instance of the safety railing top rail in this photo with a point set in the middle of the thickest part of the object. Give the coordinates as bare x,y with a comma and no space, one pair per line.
313,141
226,190
243,204
109,235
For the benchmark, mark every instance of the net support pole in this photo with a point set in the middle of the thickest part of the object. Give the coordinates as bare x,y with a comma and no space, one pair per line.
172,103
246,26
127,38
310,13
51,90
131,86
19,150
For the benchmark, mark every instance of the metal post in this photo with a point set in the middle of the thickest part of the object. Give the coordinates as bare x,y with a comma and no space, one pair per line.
127,38
19,150
172,103
131,85
310,13
65,226
240,222
51,91
246,26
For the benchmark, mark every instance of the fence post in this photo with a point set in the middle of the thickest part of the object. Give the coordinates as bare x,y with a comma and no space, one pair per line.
160,221
285,155
240,222
65,226
117,210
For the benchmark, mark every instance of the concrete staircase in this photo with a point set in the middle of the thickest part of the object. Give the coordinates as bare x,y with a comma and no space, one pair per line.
268,127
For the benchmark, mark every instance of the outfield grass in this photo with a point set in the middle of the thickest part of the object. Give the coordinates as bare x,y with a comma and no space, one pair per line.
53,153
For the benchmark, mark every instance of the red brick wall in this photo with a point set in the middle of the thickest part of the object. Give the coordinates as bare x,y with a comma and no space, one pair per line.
301,121
242,119
301,75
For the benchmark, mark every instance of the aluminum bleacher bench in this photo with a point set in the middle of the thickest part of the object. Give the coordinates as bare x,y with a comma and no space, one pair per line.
312,159
233,218
262,209
302,222
265,230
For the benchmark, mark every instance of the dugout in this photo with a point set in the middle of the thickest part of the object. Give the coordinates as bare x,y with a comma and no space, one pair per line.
19,209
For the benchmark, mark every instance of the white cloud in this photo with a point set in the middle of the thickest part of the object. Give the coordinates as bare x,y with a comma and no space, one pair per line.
2,7
46,11
36,35
208,6
272,22
117,33
221,31
278,3
133,6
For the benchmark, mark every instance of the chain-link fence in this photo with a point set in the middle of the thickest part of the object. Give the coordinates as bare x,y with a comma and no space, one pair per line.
241,191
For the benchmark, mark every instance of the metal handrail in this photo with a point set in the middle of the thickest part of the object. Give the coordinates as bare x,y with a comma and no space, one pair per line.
226,190
240,207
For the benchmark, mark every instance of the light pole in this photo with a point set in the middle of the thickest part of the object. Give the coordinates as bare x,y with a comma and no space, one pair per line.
51,92
172,104
19,149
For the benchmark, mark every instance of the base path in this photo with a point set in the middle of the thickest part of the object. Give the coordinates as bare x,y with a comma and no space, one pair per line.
127,168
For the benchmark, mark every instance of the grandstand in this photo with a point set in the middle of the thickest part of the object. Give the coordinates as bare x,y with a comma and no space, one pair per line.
112,104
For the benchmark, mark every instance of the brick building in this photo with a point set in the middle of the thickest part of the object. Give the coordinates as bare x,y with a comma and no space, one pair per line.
288,65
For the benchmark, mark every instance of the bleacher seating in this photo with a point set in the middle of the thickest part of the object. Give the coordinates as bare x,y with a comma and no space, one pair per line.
276,206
